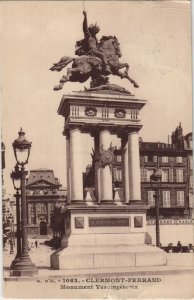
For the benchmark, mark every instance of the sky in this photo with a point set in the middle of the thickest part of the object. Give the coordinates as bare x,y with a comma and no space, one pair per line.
155,39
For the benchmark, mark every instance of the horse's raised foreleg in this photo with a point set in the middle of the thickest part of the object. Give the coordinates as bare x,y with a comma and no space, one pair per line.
61,83
65,79
131,80
125,65
125,74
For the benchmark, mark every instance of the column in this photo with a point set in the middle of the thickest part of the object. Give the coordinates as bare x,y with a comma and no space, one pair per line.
125,173
19,249
29,213
48,212
97,169
68,168
105,172
76,165
134,167
36,213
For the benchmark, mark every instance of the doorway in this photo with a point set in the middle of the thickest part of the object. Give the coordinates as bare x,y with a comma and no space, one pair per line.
43,228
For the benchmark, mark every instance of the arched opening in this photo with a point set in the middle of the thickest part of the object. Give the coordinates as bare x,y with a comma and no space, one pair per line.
43,228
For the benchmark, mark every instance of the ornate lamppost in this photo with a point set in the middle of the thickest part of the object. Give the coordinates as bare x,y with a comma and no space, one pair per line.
155,180
11,223
16,178
22,266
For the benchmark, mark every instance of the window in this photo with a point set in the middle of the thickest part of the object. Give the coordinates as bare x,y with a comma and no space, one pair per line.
50,207
180,198
41,208
164,159
171,175
155,158
118,158
114,174
179,175
117,174
191,181
38,207
164,175
160,172
145,158
145,175
166,198
32,208
179,159
142,174
151,199
152,158
149,173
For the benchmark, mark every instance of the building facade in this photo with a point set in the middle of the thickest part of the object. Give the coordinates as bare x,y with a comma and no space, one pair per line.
174,163
43,192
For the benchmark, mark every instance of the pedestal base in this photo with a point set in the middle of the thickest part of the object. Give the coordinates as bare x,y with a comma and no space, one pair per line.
23,266
106,237
114,256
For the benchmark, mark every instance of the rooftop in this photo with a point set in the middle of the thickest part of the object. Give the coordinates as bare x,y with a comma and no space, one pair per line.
42,174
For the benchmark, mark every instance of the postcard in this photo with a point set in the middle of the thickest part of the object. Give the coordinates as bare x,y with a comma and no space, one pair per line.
96,144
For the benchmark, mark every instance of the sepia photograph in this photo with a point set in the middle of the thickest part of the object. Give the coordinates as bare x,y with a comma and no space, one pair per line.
96,149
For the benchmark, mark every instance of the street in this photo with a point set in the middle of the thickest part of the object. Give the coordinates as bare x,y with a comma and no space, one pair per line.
173,281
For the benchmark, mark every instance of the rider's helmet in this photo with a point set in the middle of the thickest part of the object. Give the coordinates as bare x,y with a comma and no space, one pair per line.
94,29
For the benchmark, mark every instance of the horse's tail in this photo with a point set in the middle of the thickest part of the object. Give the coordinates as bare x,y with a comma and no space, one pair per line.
64,61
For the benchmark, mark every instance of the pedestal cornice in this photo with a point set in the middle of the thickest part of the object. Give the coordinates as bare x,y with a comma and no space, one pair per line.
100,100
93,112
104,209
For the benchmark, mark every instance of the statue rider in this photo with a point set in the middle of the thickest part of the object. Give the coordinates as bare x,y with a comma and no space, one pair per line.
91,43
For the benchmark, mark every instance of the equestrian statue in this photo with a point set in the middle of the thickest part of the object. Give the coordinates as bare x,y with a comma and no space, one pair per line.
94,59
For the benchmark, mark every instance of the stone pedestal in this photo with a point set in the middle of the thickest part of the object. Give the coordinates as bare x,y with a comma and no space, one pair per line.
105,237
102,231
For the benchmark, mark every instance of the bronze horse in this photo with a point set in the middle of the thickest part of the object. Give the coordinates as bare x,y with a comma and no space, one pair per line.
87,65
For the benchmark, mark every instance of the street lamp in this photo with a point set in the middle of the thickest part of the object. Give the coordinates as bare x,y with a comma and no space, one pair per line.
23,266
155,180
11,223
16,178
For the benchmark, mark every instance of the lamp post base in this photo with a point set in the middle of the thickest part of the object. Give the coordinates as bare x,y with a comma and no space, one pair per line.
23,266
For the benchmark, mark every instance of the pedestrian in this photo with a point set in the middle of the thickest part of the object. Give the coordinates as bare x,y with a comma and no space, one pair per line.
179,245
32,246
29,247
36,244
